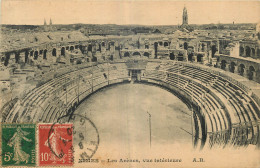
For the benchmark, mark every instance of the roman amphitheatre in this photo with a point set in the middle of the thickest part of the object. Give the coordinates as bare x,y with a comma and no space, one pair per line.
197,85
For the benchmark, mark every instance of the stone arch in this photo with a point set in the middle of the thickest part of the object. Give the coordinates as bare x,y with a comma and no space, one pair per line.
54,52
248,51
202,47
136,54
36,55
26,56
67,48
199,57
17,57
6,60
172,56
103,44
45,54
94,59
146,46
31,53
223,64
62,52
155,49
71,48
165,44
90,47
213,50
185,46
146,54
253,52
78,62
241,51
126,54
232,67
190,57
251,73
241,69
258,53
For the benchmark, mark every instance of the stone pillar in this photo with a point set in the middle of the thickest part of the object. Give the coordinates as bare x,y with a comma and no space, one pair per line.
236,70
254,76
194,58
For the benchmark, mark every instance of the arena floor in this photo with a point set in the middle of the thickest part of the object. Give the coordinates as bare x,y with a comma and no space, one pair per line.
120,114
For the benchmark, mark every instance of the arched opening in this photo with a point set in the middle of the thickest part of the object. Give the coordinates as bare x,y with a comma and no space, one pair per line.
126,54
17,57
251,73
232,67
248,51
202,47
62,51
54,52
103,44
136,54
172,56
190,57
223,64
26,56
253,52
41,51
99,47
35,55
241,51
81,49
213,50
90,47
180,57
45,54
94,59
31,53
185,46
78,62
165,44
241,69
67,48
71,48
199,57
155,49
160,43
146,46
146,54
7,57
111,57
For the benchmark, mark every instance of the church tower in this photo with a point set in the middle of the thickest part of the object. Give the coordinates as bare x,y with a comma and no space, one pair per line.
185,16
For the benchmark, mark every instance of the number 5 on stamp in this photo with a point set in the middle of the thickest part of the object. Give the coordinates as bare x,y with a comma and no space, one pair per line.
18,145
55,144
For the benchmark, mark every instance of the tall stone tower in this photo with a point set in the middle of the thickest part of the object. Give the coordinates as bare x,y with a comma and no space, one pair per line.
185,16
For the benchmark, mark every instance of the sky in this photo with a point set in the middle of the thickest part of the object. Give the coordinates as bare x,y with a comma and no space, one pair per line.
143,12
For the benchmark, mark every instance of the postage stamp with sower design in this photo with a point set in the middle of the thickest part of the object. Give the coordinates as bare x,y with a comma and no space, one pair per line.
55,144
18,145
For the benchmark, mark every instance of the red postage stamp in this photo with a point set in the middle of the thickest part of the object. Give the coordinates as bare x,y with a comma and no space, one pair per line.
55,144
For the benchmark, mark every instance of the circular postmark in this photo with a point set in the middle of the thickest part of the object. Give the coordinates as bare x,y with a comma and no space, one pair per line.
85,137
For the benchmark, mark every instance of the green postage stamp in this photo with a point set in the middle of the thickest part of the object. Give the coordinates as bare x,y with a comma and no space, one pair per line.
18,145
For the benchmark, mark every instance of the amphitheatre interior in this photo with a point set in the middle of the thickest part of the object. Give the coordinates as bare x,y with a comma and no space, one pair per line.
202,81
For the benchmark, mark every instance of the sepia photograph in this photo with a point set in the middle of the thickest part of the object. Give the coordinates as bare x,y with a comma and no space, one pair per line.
130,84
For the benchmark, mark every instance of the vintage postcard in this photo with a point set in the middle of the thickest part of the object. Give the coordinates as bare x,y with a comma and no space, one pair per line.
130,84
